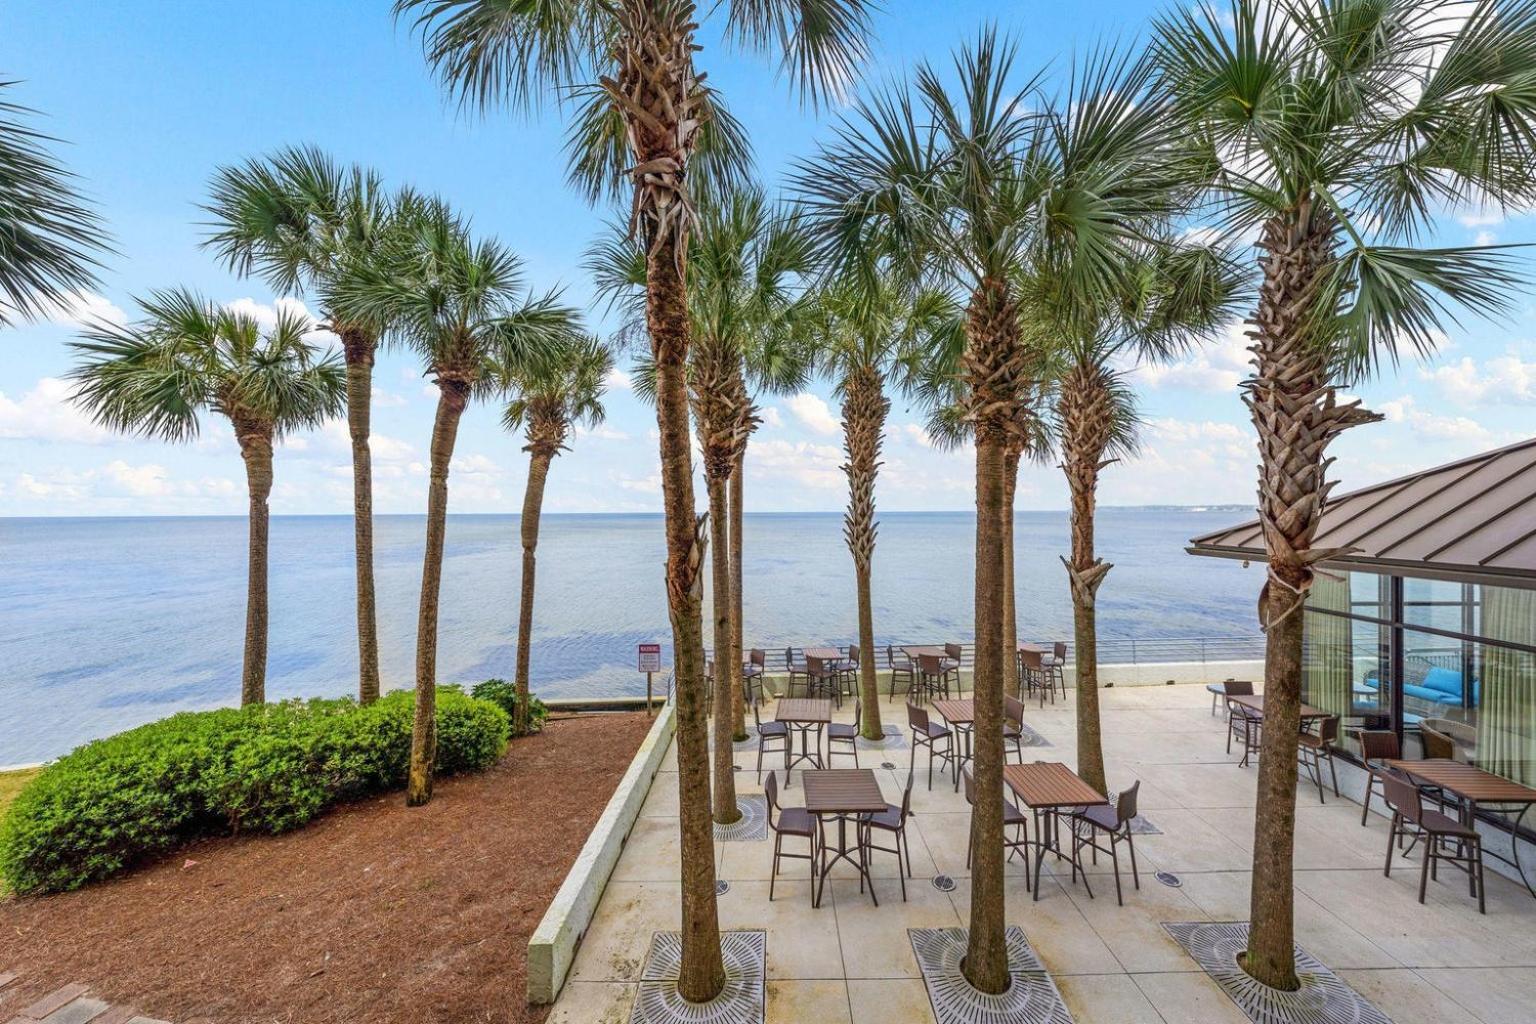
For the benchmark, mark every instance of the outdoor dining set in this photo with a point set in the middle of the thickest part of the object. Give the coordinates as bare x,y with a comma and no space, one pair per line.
1458,789
845,817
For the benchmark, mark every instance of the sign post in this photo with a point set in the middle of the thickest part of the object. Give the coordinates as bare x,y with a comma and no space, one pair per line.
650,664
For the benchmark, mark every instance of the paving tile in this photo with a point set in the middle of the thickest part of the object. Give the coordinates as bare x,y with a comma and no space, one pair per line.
588,1002
795,1002
1494,995
620,933
889,1001
1106,999
802,942
1189,997
874,943
78,1011
53,1000
1407,998
6,978
117,1015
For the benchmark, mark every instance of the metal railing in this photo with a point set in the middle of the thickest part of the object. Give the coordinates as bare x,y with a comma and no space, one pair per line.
1112,650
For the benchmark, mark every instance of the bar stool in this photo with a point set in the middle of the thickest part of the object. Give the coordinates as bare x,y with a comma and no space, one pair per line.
900,666
1052,663
824,677
752,675
954,654
932,678
1034,675
794,668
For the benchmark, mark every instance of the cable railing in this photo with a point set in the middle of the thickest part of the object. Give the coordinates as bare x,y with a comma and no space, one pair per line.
1112,650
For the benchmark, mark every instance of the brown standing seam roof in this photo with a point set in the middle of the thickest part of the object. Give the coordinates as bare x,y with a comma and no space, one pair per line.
1472,520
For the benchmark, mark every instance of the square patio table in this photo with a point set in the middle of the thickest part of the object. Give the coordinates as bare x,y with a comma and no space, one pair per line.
1048,788
1472,786
804,715
1254,702
960,713
841,793
826,653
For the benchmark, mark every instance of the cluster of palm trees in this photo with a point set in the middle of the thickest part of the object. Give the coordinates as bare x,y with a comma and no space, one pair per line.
1002,250
1008,253
384,268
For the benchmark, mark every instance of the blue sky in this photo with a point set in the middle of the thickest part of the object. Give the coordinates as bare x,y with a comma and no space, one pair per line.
153,97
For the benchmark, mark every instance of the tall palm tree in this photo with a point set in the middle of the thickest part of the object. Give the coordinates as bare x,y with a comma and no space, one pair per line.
461,305
744,261
187,356
304,223
1337,131
646,114
49,237
865,325
550,397
1170,298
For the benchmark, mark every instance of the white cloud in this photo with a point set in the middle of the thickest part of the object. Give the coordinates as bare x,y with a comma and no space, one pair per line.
388,399
813,412
46,414
474,464
1504,379
640,485
1484,217
1485,238
335,437
120,479
81,308
812,465
772,417
1217,367
1432,425
619,380
601,432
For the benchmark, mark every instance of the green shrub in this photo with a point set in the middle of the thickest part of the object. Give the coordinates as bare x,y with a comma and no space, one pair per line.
268,768
504,695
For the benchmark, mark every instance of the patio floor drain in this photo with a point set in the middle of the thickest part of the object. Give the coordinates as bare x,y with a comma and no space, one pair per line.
943,883
722,887
1031,998
1322,998
1168,878
739,1002
751,826
889,766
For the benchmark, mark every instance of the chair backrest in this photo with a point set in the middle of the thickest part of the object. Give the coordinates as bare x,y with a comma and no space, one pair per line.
758,657
1033,660
858,713
815,666
771,791
1328,729
1060,650
853,653
1379,745
906,799
1437,744
930,664
954,651
789,657
1237,688
1013,710
917,718
1402,796
757,719
893,660
1125,802
970,787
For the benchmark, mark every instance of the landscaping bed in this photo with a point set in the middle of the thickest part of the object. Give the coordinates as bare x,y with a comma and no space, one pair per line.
372,913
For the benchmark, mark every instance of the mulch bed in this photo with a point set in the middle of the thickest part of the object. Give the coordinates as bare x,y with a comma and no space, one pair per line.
374,913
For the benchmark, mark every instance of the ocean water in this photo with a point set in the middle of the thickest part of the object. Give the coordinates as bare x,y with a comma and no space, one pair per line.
109,623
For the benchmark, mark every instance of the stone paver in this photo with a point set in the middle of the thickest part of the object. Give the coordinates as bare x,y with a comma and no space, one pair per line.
79,1011
54,1000
852,960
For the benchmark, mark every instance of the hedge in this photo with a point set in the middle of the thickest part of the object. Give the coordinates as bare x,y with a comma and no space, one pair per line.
504,695
268,768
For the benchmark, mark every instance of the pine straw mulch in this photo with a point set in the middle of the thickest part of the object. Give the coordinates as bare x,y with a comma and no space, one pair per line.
373,913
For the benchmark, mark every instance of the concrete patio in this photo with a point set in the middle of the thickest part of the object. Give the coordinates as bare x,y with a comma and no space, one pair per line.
850,961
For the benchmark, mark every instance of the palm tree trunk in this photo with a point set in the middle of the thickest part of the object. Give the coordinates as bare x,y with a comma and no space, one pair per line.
1296,415
702,974
865,408
533,505
453,396
994,363
1086,415
1011,458
723,792
358,349
738,702
256,451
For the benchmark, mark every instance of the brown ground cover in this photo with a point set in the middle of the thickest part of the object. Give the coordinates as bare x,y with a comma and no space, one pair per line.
374,913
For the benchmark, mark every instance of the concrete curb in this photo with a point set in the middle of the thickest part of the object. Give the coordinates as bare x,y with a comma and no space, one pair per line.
552,948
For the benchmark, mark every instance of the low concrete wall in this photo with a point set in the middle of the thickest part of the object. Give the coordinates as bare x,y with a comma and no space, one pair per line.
552,948
1157,673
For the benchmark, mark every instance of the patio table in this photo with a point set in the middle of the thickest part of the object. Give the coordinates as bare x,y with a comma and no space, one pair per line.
960,713
1254,702
804,715
917,650
1029,648
1473,786
841,793
1048,788
826,653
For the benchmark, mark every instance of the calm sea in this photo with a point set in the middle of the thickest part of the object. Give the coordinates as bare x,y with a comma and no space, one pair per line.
109,623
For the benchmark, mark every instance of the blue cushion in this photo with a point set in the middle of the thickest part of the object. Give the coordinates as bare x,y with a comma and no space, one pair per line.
1447,681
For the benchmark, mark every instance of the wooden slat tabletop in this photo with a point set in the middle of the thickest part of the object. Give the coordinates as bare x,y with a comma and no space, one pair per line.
956,712
826,653
916,651
842,791
804,709
1034,648
1050,784
1255,702
1468,781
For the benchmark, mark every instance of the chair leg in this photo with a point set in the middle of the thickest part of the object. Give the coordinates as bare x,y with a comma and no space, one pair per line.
1334,771
1130,843
1114,859
1429,856
773,874
1477,851
1391,843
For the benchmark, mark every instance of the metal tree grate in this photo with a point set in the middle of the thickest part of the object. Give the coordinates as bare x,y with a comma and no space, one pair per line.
1031,997
1321,999
740,1002
751,826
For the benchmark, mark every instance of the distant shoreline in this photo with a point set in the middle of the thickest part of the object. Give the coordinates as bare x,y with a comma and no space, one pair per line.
1197,508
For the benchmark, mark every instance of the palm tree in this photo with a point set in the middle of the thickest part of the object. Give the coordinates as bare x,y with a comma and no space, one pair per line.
744,259
48,236
865,325
1337,131
460,304
304,223
1167,301
646,114
187,356
550,396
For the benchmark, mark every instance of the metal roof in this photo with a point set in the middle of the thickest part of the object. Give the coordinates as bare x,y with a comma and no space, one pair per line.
1472,520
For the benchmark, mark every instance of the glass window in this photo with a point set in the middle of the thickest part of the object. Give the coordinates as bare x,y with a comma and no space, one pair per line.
1503,711
1344,661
